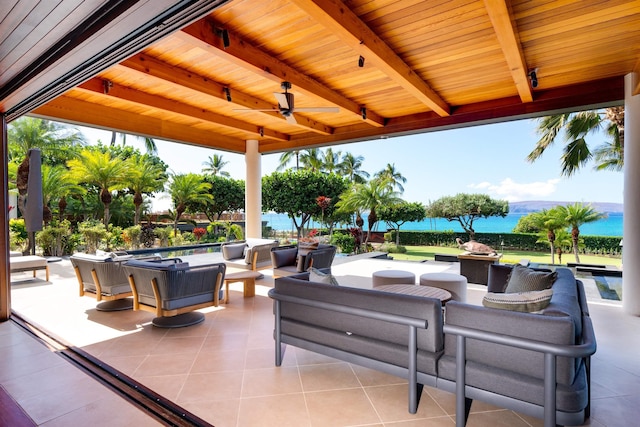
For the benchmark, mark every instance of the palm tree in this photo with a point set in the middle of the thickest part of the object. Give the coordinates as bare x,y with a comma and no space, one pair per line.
351,167
184,189
146,177
149,143
286,157
576,127
368,197
214,165
395,177
53,140
575,215
99,169
311,159
331,161
57,183
549,222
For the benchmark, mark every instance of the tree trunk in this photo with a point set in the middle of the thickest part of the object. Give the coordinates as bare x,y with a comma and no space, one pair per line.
22,180
575,236
105,197
137,201
551,235
62,205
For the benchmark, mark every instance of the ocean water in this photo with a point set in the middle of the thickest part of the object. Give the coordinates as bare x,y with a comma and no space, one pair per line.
610,226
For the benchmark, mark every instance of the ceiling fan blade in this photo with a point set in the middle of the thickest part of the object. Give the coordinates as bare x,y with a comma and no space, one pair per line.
256,109
282,99
291,119
318,109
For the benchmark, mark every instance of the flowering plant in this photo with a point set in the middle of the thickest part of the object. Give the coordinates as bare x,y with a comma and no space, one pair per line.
199,232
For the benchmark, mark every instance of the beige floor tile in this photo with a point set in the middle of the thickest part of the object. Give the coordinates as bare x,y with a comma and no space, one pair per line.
219,361
228,341
260,358
168,386
222,413
349,407
502,418
174,345
165,364
371,377
216,386
271,381
392,403
431,422
274,411
328,376
102,414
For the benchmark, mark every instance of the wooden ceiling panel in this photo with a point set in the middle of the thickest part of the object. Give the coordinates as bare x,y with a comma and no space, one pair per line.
427,64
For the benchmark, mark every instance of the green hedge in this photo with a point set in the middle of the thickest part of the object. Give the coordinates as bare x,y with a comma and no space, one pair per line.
511,241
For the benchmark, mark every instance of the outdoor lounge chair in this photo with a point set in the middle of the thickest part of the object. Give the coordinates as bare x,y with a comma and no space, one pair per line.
287,260
173,290
102,277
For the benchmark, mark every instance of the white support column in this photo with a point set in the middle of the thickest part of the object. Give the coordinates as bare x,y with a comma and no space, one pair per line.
631,224
253,191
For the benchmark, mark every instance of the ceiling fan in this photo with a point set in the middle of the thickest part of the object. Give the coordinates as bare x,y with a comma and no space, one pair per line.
286,105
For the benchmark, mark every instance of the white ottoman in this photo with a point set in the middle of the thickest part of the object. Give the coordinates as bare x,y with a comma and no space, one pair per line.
393,277
454,283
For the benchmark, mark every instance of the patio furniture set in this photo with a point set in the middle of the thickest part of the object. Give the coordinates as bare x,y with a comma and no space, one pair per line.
525,350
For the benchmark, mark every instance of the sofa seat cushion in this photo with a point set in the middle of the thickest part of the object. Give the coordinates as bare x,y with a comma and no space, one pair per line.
524,279
571,397
528,302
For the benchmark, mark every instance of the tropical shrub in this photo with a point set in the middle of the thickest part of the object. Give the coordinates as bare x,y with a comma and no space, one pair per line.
93,232
346,243
163,233
17,234
132,235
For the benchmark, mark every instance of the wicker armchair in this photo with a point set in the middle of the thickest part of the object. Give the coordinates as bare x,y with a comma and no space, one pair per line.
102,277
173,290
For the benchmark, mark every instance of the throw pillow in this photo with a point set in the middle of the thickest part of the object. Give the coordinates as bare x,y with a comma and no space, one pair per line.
316,275
523,279
233,250
305,247
528,302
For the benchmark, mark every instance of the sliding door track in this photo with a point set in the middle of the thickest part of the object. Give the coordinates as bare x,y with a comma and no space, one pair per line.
153,404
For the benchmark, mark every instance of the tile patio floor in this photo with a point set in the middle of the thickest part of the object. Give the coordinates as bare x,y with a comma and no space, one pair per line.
222,370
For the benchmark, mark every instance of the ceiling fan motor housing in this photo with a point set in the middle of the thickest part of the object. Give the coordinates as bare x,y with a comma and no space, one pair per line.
286,110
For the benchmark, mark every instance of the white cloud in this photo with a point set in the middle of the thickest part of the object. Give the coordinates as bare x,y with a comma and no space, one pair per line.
513,191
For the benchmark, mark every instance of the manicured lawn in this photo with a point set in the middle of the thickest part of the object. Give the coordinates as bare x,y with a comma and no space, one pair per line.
420,253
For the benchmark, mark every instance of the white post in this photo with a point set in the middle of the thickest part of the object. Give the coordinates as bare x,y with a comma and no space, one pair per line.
631,224
253,191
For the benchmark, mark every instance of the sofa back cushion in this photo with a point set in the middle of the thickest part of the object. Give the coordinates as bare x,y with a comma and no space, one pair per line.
524,279
405,305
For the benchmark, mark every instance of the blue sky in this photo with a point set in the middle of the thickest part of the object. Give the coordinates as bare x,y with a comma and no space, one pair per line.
489,159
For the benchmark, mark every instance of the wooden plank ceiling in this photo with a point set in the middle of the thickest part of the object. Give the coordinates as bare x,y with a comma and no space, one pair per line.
388,67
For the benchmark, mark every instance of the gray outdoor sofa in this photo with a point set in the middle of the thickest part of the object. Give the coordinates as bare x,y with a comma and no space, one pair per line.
510,357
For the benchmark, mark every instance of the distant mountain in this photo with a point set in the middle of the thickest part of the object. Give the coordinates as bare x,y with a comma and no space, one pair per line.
538,205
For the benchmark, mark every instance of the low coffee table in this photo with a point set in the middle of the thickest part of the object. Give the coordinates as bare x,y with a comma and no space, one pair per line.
421,291
248,278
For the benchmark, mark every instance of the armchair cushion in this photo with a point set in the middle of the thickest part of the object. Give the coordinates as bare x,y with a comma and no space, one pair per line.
233,250
319,276
524,279
283,257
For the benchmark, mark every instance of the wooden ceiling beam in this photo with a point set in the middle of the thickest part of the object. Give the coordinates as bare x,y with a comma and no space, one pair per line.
109,89
345,24
243,54
150,66
589,95
506,32
76,111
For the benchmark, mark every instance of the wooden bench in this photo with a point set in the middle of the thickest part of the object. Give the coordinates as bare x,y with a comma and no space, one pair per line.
33,263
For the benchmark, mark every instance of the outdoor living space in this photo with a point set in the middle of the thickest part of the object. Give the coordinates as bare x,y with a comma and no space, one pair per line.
223,371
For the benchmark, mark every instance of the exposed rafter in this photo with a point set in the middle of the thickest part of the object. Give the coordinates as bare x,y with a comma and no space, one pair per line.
75,110
243,54
96,85
507,35
336,16
153,67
